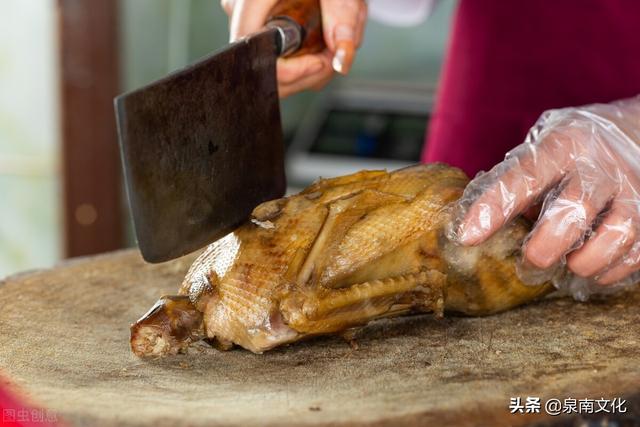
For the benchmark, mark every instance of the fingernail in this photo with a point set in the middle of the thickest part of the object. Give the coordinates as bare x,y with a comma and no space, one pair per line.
532,275
343,58
604,279
468,235
343,36
539,257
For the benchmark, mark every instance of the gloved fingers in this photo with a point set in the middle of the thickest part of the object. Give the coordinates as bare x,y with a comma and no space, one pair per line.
566,220
507,190
593,152
612,239
533,213
629,265
342,29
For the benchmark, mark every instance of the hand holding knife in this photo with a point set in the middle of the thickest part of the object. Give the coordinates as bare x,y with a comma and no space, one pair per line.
342,23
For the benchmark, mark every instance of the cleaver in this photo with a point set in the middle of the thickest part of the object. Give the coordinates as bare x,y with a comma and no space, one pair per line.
203,146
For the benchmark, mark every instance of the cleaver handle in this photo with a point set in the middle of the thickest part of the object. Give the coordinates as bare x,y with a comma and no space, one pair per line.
299,23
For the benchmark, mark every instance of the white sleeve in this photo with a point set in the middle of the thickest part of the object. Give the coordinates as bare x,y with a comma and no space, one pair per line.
401,13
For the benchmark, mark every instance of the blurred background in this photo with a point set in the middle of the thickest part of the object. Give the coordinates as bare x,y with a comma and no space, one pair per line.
62,62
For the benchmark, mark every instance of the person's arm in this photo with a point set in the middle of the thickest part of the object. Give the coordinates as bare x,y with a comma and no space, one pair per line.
343,23
583,164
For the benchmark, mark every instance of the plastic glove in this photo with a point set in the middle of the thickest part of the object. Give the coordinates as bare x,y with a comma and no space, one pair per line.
343,23
583,164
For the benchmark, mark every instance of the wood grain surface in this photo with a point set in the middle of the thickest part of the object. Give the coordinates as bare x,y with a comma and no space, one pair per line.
64,339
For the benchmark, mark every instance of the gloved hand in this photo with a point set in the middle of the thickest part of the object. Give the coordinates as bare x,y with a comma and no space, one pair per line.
343,23
583,164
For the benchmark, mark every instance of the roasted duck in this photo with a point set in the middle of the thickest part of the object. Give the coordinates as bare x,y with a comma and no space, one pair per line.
339,254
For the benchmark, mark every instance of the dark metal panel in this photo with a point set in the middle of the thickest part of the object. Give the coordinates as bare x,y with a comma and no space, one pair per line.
202,147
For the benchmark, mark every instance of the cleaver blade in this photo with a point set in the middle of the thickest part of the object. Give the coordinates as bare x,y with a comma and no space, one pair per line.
203,146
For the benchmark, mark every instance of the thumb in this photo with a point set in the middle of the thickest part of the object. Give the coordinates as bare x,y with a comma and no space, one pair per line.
340,22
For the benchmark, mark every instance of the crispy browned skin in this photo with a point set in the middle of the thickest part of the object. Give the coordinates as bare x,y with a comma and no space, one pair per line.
341,253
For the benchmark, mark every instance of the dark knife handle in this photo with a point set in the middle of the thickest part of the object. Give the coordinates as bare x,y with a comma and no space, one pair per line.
300,25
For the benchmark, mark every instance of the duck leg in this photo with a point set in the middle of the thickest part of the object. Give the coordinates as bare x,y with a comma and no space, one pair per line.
167,328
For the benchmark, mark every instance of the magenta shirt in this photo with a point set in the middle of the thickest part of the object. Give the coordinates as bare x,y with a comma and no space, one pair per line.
508,61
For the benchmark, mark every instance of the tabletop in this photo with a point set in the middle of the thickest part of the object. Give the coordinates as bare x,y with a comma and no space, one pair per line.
65,333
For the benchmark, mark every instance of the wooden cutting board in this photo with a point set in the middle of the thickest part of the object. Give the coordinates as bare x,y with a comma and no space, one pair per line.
64,339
